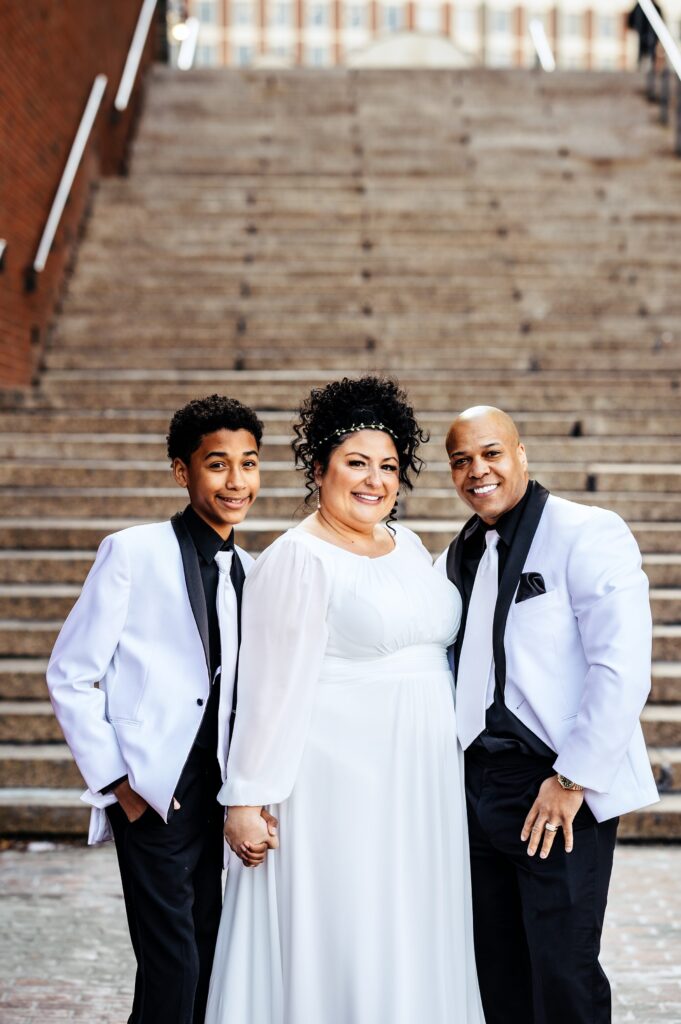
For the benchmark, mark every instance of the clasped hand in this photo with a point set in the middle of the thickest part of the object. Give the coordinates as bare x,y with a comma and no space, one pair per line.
554,806
250,833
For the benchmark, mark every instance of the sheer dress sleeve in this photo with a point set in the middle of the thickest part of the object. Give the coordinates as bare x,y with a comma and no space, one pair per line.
283,639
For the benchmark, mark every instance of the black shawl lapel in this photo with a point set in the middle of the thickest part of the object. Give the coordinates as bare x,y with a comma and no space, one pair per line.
527,527
192,575
454,560
455,553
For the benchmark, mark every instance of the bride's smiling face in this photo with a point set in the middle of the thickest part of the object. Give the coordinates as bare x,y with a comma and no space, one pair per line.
359,486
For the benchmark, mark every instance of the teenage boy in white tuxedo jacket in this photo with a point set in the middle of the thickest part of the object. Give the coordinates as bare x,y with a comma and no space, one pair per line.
552,669
142,680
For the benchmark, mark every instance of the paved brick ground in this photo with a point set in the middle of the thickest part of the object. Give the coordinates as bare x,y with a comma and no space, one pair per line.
64,952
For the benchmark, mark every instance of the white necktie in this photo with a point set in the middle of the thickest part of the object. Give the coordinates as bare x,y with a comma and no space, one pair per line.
229,649
475,674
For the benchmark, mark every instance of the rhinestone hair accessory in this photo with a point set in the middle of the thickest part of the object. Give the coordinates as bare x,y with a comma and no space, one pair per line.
359,426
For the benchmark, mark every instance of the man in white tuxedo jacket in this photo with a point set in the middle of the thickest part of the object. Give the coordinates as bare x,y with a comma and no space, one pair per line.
142,680
552,669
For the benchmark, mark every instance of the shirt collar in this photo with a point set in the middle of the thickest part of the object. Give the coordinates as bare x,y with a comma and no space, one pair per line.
507,524
207,541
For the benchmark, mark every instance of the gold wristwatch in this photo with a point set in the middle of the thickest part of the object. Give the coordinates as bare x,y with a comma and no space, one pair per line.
569,784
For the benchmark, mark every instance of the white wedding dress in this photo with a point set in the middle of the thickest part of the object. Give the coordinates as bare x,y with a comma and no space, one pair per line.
345,728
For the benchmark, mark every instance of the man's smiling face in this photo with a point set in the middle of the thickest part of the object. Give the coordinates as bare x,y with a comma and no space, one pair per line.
488,462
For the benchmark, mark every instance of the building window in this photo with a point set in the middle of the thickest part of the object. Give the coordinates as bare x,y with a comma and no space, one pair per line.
573,25
428,18
606,27
500,22
206,12
465,21
500,59
392,18
206,56
318,56
354,16
317,15
280,14
243,56
243,13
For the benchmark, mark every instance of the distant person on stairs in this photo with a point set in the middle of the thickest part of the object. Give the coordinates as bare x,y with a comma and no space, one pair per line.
647,37
552,667
142,680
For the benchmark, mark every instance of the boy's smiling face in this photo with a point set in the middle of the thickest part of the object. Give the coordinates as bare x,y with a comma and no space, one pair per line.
222,478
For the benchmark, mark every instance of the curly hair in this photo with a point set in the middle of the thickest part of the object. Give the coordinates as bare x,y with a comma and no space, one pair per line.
347,403
204,416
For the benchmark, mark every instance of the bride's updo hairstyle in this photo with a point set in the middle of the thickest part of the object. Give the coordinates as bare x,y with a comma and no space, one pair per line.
332,413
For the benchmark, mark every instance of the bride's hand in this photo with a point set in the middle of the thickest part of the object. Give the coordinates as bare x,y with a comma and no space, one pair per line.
250,832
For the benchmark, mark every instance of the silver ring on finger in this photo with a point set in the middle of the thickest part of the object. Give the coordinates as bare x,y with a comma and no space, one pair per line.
548,827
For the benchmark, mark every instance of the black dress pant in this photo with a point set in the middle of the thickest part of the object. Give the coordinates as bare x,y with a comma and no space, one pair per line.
172,886
537,923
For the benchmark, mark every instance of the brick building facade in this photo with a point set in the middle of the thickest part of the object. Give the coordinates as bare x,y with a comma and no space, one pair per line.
51,53
584,34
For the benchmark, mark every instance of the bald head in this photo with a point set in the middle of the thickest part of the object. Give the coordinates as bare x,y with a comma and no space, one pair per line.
487,460
495,418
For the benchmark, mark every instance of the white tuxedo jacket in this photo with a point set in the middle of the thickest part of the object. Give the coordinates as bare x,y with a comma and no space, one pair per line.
578,657
129,675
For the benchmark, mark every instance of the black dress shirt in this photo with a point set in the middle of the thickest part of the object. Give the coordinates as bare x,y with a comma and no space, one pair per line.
207,543
504,732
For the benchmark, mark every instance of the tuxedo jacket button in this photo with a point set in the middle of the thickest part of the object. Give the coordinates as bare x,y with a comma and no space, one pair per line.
199,701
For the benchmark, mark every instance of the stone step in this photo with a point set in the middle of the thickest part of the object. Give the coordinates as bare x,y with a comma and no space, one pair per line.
29,722
153,503
596,477
44,765
660,541
23,679
108,358
662,725
51,766
562,394
429,298
35,639
70,566
150,447
660,822
63,474
666,605
42,600
122,424
45,811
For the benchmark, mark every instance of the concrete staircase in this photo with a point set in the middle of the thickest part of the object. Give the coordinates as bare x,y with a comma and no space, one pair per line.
495,237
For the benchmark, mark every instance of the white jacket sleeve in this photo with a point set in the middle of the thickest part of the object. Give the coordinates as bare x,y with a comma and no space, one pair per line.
283,639
609,594
81,656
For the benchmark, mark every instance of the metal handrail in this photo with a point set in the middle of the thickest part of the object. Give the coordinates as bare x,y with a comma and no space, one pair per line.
69,173
541,45
134,57
674,57
663,34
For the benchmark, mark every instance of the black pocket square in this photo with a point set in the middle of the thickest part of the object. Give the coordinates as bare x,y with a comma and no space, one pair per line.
531,585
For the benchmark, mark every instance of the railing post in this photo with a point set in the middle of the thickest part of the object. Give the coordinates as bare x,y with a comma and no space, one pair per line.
650,83
677,141
664,96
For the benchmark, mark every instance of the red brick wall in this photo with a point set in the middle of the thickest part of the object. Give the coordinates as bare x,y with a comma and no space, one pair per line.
51,51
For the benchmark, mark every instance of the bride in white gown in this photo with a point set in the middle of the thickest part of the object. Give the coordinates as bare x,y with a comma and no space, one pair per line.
345,730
